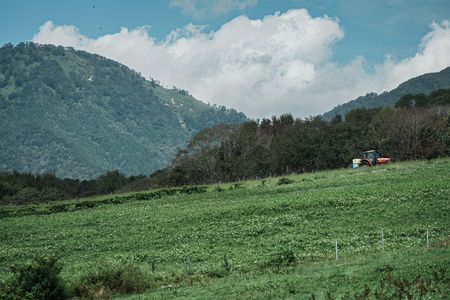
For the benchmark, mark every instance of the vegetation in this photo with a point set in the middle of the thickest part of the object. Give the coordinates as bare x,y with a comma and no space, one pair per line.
253,240
285,180
418,128
283,145
123,277
88,203
439,97
79,115
38,279
22,188
423,84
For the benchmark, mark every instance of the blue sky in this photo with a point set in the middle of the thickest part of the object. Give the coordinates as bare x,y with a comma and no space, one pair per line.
368,32
373,28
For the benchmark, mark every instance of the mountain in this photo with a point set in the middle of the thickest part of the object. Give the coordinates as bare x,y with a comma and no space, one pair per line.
425,84
78,114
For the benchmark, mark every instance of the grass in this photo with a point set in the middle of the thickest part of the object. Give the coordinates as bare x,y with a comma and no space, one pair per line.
347,277
254,225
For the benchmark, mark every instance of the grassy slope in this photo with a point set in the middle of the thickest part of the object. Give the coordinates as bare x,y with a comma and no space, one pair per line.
253,224
347,277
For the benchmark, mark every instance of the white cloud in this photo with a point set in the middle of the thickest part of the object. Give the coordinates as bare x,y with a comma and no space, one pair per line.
281,63
433,55
203,8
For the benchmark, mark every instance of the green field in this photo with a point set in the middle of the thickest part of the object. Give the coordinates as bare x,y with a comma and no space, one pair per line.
279,240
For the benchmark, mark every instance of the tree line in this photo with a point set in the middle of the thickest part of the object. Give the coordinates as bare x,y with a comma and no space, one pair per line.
417,128
16,187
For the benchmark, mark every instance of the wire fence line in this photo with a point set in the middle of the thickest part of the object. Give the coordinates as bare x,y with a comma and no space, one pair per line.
289,256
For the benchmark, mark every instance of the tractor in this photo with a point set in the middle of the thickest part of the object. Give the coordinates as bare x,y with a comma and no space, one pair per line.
370,158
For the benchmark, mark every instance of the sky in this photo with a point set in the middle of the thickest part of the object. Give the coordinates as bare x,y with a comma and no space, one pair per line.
261,57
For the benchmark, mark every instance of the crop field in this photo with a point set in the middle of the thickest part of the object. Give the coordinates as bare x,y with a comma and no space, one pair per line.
256,238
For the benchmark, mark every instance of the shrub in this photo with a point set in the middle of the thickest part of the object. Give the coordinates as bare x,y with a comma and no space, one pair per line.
27,194
435,287
284,258
218,189
38,279
85,204
193,190
59,208
285,180
123,278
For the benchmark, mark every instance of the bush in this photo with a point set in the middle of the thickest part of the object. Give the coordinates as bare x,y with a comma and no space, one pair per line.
85,204
38,279
193,190
123,278
218,189
285,180
284,258
237,186
59,208
27,194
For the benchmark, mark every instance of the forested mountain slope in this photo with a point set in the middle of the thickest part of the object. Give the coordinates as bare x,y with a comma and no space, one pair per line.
78,114
425,84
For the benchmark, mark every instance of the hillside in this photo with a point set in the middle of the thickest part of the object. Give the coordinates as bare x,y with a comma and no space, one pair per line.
78,115
425,84
254,239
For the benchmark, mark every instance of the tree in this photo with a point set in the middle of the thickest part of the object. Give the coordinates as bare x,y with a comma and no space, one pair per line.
415,133
410,100
110,181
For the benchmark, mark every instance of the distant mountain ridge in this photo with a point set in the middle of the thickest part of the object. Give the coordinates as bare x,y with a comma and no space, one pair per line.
78,114
425,84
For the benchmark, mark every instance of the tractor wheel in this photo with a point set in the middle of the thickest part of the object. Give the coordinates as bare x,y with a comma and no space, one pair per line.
365,163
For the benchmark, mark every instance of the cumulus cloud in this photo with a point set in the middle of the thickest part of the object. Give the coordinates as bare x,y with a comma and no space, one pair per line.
203,8
280,63
433,55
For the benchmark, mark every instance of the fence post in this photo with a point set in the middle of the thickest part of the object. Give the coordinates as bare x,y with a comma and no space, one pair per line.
337,254
187,265
153,264
226,264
